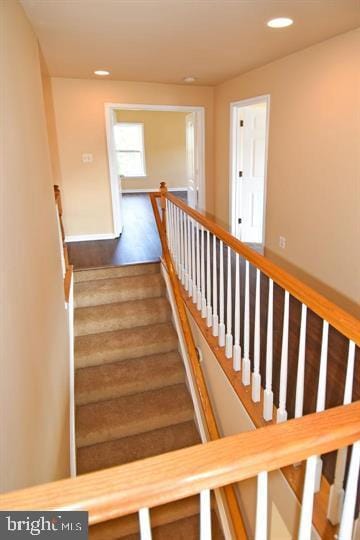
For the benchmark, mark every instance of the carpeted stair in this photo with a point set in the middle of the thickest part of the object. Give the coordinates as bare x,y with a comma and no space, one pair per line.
131,398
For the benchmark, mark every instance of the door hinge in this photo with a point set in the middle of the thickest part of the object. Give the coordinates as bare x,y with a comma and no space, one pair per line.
241,123
239,220
240,174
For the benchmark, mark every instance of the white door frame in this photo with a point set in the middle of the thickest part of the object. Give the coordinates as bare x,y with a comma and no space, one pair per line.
113,175
233,157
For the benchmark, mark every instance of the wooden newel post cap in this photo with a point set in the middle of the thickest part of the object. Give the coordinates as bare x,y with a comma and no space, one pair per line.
163,191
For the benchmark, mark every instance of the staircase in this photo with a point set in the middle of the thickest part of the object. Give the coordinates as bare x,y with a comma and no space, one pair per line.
131,396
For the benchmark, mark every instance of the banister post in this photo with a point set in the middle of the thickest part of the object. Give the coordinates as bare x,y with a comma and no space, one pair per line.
163,191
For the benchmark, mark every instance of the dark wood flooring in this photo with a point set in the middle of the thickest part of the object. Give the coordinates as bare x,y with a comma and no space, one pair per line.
139,241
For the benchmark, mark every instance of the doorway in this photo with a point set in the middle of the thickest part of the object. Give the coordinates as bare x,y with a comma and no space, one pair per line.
132,167
248,168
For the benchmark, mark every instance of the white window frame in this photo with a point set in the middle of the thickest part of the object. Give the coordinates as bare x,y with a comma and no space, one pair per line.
142,152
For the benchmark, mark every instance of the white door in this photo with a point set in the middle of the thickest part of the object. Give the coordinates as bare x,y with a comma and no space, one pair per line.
191,165
250,172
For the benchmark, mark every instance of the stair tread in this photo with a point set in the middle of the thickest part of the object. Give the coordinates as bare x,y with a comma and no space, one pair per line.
117,316
106,347
118,289
161,515
187,528
108,381
116,271
129,415
135,447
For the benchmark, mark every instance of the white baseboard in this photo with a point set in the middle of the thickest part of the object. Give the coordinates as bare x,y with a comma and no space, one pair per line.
151,190
89,237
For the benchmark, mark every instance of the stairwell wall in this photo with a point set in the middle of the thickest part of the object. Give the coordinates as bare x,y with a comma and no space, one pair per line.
34,441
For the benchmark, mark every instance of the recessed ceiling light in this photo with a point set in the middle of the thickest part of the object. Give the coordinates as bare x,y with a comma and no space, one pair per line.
280,22
189,79
102,72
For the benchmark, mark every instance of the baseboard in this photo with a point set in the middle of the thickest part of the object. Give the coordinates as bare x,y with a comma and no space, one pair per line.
151,190
89,237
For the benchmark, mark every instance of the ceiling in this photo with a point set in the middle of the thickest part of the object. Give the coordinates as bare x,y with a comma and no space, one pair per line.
166,40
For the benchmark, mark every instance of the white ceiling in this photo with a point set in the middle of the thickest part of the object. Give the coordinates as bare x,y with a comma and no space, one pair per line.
166,40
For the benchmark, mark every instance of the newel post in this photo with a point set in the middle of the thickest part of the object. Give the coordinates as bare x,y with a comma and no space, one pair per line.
163,192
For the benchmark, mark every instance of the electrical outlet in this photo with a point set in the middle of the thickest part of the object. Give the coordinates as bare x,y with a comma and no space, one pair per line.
87,158
282,242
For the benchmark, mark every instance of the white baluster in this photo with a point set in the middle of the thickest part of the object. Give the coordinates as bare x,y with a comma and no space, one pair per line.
256,377
221,298
299,398
193,260
182,256
170,228
205,515
203,297
268,393
237,346
282,412
261,523
186,252
228,337
145,526
178,244
336,496
347,517
198,294
208,281
174,237
321,393
246,366
215,329
189,258
307,500
167,222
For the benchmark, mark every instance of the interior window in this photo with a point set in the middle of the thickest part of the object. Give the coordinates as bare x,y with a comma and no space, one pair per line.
129,145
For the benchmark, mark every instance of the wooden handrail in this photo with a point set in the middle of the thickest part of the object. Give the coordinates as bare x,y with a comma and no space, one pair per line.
68,267
345,323
121,490
207,410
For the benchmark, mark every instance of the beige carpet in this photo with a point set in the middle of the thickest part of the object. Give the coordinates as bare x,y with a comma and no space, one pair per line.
131,398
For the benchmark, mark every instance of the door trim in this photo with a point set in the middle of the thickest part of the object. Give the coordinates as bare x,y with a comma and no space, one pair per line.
113,176
232,157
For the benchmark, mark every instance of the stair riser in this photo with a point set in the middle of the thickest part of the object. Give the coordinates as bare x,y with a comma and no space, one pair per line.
116,272
121,292
123,353
104,393
141,446
141,426
132,320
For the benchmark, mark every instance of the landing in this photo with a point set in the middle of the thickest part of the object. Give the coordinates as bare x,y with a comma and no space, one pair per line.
138,243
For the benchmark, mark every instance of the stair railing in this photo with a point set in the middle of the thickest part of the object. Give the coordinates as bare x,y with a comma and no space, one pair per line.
236,519
214,270
142,485
66,266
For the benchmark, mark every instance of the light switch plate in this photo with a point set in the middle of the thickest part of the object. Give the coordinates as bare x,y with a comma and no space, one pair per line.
87,158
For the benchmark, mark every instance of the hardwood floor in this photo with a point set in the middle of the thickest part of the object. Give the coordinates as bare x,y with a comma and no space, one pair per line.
139,241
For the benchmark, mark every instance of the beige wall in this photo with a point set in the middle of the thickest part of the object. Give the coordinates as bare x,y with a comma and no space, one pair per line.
313,193
34,440
80,123
165,148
